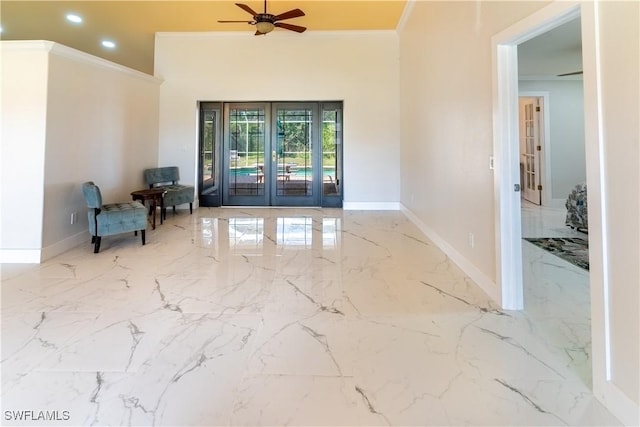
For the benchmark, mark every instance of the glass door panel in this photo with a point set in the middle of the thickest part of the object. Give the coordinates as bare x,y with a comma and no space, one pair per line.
246,146
208,168
209,148
295,165
332,154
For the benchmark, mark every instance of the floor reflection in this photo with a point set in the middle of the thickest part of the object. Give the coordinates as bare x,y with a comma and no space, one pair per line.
248,234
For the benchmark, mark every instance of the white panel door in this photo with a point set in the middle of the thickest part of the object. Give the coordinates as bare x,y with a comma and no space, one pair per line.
530,148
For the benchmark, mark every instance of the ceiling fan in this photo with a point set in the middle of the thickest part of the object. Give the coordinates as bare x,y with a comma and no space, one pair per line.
266,22
570,74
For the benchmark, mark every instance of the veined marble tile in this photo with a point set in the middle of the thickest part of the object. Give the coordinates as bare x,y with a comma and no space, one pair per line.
223,293
69,397
383,287
294,400
308,296
28,339
184,374
294,317
316,345
554,282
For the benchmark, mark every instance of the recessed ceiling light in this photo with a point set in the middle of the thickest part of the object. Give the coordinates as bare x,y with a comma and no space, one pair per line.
72,17
108,44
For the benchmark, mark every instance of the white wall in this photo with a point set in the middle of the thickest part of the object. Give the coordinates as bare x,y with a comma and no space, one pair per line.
446,140
360,69
619,40
447,127
94,120
24,109
566,132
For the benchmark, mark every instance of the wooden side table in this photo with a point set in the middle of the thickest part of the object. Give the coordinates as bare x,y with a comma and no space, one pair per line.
154,195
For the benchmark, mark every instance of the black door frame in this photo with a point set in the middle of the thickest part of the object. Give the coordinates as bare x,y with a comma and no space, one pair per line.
214,193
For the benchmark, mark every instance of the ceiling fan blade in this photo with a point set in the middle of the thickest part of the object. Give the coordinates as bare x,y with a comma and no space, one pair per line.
295,28
295,13
246,9
570,74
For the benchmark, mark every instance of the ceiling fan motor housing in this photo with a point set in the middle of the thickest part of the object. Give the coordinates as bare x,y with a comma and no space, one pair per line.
264,17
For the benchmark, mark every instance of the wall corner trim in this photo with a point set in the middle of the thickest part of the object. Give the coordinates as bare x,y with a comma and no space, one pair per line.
406,13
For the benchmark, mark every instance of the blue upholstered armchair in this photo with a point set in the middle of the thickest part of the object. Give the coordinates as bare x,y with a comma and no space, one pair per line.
114,218
176,194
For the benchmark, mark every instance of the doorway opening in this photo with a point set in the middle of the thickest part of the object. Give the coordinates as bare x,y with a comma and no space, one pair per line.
271,154
508,200
506,147
548,273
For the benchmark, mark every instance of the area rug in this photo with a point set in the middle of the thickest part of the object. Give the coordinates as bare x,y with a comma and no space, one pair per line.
572,249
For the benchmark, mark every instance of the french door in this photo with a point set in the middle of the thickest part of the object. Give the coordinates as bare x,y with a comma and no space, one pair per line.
282,154
530,148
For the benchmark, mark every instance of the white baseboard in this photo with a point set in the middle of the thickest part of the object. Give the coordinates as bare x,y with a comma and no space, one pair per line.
36,256
66,244
482,280
371,206
20,256
620,405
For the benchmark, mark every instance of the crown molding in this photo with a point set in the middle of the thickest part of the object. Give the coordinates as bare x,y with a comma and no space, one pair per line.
77,55
73,54
279,34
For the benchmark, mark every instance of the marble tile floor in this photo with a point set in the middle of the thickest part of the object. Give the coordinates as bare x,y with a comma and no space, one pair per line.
289,317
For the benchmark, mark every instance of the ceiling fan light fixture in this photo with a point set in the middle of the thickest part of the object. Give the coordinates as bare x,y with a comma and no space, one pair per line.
267,22
264,27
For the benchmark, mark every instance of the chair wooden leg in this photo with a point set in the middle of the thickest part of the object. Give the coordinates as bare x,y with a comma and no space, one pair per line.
96,248
93,239
142,233
191,208
135,232
174,209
